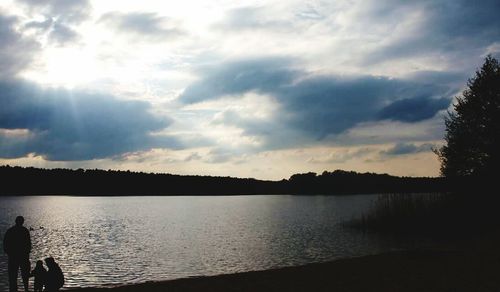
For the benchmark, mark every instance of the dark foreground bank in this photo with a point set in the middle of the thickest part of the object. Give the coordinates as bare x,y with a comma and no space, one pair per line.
473,268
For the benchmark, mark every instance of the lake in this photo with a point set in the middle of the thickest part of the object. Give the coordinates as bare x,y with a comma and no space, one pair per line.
101,241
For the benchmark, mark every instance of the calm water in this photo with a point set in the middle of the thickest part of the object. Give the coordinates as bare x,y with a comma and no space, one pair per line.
114,240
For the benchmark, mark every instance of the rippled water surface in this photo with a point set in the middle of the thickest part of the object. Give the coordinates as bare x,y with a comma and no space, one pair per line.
115,240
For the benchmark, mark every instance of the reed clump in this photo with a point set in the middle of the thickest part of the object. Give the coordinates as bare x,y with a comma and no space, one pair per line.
437,214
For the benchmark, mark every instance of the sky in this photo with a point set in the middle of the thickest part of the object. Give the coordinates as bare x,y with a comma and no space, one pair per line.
261,89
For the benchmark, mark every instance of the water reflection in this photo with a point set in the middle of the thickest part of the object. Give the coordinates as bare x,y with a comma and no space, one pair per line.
113,240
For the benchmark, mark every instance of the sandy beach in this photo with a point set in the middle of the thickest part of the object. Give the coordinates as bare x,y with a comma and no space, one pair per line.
475,267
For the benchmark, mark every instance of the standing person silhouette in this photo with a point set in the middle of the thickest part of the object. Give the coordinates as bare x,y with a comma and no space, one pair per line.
17,245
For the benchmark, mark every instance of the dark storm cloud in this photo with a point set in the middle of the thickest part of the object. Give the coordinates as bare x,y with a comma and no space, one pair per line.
453,29
263,75
453,79
16,51
69,125
316,106
142,24
330,105
413,109
462,18
408,148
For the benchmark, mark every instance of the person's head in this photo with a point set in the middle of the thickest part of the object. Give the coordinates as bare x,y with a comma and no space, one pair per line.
50,262
39,263
19,220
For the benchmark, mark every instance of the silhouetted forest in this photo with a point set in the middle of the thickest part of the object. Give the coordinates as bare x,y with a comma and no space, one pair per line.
88,182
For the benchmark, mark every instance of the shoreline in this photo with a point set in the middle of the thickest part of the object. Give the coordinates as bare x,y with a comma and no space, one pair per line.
472,269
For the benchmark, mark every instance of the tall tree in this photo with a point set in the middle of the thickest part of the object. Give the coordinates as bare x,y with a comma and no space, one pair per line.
473,129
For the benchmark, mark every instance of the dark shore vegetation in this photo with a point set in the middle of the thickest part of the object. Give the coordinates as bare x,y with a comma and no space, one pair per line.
448,216
36,181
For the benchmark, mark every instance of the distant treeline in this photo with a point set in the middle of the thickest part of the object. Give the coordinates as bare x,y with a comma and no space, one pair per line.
37,181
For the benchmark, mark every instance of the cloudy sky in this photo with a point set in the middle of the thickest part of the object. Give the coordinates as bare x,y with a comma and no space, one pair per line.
256,88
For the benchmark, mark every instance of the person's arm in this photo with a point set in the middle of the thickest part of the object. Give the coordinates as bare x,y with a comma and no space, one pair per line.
29,240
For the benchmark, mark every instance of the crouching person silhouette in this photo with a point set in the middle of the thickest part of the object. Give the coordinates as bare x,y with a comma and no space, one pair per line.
54,279
17,245
40,273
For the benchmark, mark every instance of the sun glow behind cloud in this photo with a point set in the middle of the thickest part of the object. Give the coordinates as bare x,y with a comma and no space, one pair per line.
67,67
